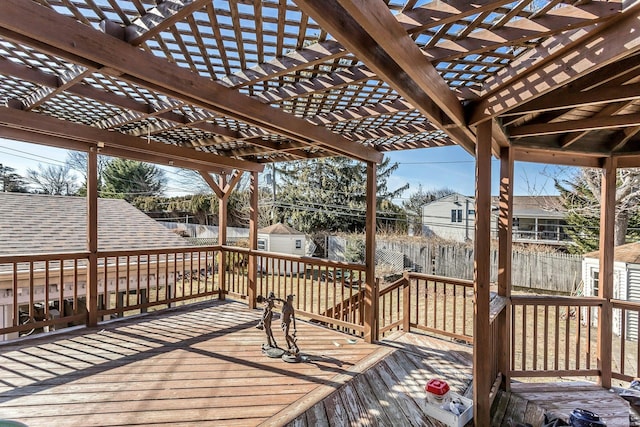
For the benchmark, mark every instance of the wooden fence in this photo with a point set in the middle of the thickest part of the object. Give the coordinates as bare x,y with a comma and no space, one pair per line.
542,271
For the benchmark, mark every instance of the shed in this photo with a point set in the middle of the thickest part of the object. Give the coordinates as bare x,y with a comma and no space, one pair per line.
284,239
626,282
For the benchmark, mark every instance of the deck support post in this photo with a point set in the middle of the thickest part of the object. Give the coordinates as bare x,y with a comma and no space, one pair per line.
253,241
222,237
605,291
505,239
482,344
92,237
370,334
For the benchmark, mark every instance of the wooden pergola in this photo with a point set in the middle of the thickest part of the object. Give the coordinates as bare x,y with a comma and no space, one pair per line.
225,87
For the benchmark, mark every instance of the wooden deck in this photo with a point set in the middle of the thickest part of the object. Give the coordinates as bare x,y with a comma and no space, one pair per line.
391,393
197,366
202,365
528,403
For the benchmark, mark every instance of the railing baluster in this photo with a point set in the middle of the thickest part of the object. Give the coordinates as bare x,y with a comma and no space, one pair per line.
535,336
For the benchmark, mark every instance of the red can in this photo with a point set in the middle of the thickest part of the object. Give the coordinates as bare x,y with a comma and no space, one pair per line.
437,391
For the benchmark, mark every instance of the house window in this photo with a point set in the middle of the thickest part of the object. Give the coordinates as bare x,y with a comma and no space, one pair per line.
456,215
298,244
262,245
595,281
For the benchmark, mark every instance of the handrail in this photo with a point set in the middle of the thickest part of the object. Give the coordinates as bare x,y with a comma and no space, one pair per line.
555,300
297,258
49,256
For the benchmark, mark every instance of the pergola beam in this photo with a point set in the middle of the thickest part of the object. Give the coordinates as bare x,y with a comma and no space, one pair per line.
559,64
58,35
370,31
37,123
112,99
161,17
597,96
437,13
592,123
300,59
522,30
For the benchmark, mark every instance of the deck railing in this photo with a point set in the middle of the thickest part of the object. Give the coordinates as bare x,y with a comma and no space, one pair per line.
26,282
326,291
549,336
553,336
428,303
134,281
626,343
49,291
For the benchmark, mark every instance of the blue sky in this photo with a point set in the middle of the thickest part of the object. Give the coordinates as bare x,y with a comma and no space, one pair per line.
433,168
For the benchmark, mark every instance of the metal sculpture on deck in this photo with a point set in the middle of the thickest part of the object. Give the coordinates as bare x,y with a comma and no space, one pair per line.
288,321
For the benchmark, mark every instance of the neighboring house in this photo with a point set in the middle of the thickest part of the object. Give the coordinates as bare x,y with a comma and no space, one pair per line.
284,239
536,219
44,224
450,217
626,282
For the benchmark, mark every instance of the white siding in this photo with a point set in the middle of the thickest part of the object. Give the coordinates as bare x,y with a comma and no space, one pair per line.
437,218
284,244
633,289
590,265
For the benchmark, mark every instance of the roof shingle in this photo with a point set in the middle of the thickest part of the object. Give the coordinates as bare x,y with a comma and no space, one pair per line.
40,223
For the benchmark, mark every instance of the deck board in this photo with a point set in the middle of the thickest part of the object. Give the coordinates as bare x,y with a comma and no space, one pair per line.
391,392
198,365
561,398
202,365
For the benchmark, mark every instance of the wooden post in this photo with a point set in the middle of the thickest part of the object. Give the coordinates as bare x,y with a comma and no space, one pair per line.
406,302
505,239
222,238
482,348
253,240
370,334
607,242
92,237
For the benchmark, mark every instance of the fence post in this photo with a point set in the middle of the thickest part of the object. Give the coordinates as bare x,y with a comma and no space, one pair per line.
406,302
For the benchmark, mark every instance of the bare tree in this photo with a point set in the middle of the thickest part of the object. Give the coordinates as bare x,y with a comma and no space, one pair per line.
581,197
54,180
77,160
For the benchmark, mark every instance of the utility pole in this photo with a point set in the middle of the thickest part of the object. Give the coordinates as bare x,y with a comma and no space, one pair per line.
4,180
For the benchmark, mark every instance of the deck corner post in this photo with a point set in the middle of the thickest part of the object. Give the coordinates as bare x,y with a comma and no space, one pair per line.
483,352
370,334
406,302
92,237
505,239
605,291
253,242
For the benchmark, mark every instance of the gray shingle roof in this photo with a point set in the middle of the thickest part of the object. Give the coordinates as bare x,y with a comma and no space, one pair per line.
39,223
629,253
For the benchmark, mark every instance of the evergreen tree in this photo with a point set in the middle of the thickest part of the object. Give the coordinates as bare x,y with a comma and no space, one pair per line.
329,194
128,179
10,181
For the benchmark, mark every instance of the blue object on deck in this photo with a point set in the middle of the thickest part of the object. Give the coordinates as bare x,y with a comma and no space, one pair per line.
11,423
584,418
